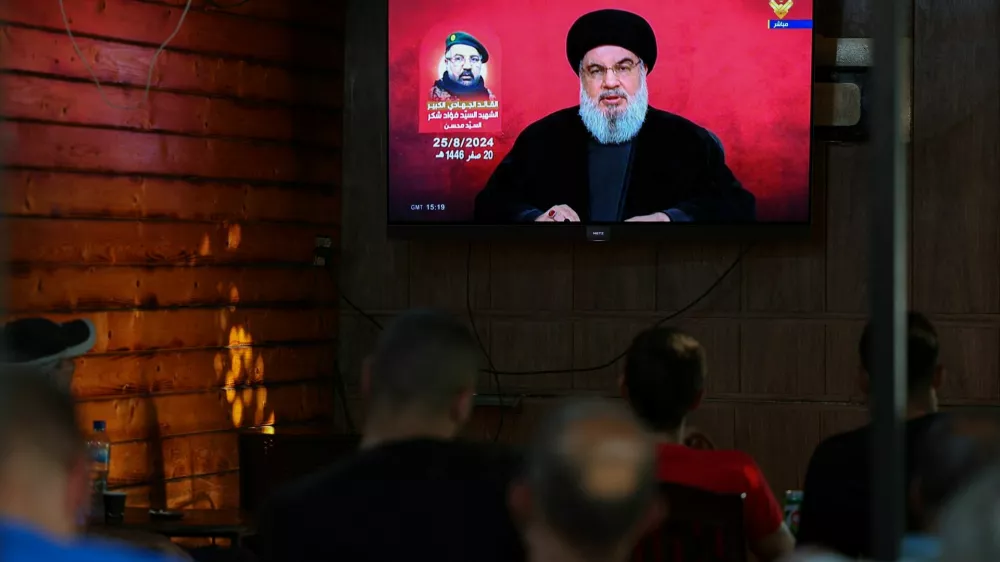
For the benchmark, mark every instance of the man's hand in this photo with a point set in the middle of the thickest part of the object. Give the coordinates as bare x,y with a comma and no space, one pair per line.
655,217
559,213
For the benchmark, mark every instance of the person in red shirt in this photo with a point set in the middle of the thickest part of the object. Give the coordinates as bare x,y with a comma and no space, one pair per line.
664,381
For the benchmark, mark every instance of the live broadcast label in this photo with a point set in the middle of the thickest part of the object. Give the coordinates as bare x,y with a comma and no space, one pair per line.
789,24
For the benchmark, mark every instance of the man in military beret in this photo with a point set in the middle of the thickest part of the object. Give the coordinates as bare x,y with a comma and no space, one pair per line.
614,158
464,57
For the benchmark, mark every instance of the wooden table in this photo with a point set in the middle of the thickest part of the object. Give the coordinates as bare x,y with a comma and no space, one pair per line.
204,523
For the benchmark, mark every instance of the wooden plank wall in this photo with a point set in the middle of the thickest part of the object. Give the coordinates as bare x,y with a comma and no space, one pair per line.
782,331
184,228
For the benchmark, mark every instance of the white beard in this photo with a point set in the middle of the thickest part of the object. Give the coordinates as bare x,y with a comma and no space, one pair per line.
616,126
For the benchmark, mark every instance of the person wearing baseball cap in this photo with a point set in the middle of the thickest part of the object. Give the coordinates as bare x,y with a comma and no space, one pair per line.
613,157
45,470
464,58
44,346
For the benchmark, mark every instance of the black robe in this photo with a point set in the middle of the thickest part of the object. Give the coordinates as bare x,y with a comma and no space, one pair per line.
675,165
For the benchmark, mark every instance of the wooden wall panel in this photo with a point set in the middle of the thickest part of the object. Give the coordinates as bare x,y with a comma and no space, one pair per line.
184,227
444,281
214,491
782,331
539,277
520,345
204,32
785,277
195,370
42,194
843,364
781,438
612,278
322,14
848,228
96,288
189,455
35,98
956,189
100,150
51,53
971,356
77,242
686,271
797,371
130,418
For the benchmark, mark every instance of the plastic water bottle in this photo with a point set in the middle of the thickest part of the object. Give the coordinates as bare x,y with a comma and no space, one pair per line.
99,448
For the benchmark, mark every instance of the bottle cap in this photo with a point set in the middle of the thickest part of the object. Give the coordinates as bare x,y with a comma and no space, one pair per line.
100,425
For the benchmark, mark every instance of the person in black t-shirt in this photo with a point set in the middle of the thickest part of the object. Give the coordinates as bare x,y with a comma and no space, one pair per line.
588,491
412,492
837,495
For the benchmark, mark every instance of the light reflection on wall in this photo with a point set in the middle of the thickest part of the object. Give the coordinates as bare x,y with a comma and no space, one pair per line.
246,370
242,372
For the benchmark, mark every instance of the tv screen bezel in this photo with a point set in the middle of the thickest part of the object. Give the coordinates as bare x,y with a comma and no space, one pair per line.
615,232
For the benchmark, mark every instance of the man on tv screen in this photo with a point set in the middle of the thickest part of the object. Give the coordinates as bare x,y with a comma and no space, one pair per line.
614,158
464,57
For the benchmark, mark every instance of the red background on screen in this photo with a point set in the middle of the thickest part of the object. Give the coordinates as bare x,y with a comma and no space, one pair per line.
718,65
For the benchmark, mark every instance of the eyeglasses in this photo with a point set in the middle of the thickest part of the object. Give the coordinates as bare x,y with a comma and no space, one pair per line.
623,69
460,59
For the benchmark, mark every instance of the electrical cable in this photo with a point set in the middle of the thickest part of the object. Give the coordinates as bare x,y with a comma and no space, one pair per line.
482,346
152,62
661,321
339,386
363,314
725,274
341,390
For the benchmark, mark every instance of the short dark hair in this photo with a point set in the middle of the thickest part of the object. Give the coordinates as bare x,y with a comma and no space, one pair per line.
665,374
423,358
922,351
576,479
36,413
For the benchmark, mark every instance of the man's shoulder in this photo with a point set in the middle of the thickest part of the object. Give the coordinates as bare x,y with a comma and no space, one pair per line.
106,551
21,544
660,121
842,451
707,456
438,93
557,122
718,470
314,486
397,460
852,439
731,458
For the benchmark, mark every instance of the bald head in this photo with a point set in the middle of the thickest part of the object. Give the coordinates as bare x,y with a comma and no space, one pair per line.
423,360
591,473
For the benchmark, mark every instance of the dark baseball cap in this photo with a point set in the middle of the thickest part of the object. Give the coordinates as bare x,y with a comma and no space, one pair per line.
40,342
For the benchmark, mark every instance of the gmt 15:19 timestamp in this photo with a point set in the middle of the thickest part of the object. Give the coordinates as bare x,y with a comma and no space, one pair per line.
464,149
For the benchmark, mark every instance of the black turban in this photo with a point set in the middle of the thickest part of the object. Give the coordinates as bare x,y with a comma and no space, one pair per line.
611,27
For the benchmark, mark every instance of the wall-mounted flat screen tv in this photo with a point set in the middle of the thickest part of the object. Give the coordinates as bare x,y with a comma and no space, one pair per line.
598,116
